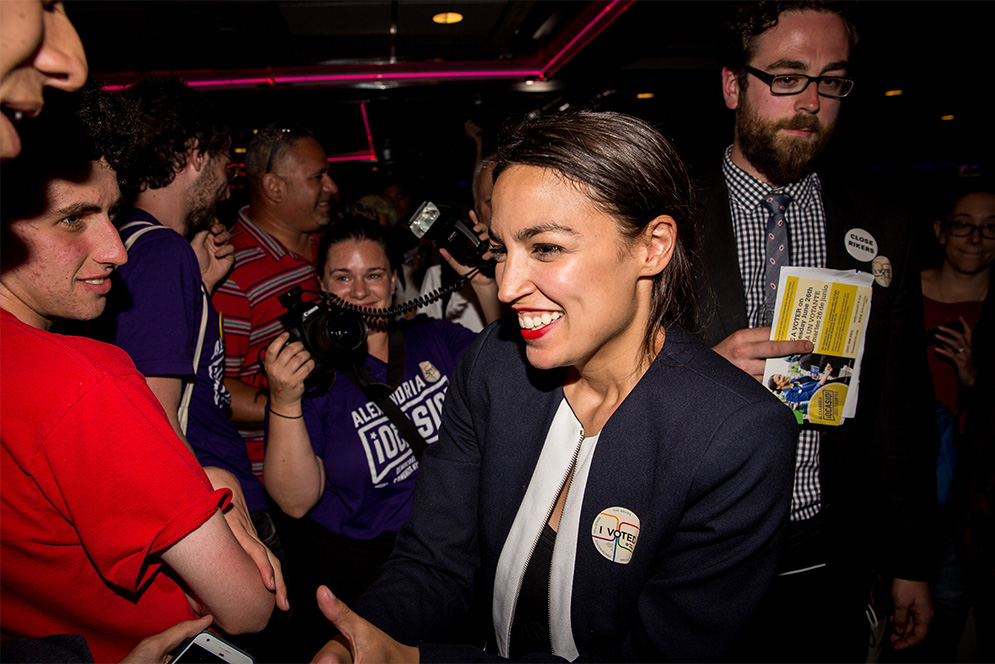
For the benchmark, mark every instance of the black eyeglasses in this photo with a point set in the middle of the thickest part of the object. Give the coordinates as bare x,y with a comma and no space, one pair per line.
836,87
276,146
962,229
233,169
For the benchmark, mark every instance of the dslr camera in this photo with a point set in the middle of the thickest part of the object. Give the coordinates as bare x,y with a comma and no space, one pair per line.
333,335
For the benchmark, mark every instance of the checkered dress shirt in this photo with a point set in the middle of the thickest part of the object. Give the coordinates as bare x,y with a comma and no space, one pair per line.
806,219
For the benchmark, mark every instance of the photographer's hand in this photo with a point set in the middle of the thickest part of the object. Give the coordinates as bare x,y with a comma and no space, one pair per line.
286,369
294,476
484,287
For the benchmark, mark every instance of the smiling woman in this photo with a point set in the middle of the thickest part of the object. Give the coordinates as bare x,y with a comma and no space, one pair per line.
953,295
602,481
333,456
38,47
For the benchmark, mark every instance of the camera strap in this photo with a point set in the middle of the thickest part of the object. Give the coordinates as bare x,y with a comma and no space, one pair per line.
379,393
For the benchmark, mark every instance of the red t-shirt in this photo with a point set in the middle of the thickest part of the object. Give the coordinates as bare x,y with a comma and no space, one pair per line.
95,485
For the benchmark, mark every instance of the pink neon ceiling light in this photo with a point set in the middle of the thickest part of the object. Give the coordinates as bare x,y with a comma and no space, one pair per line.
387,73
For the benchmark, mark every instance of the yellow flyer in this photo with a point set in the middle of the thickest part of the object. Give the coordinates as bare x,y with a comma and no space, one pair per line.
830,309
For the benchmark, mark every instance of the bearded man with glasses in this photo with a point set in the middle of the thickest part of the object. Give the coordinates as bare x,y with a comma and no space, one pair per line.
864,492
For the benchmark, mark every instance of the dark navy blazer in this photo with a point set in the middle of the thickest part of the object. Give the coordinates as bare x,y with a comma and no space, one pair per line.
699,451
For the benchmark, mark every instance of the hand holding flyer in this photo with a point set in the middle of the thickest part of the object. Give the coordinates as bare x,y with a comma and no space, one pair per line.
829,308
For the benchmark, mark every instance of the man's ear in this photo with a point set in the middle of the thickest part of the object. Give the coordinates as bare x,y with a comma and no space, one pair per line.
938,230
273,187
730,88
658,239
197,159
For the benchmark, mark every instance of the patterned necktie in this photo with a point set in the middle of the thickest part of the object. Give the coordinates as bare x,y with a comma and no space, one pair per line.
778,250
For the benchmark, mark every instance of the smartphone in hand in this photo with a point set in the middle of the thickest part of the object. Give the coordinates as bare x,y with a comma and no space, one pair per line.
931,339
209,647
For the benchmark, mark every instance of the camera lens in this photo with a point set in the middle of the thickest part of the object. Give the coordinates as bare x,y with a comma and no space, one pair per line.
343,332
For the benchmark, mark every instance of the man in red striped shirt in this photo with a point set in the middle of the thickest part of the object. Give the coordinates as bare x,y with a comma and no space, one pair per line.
291,196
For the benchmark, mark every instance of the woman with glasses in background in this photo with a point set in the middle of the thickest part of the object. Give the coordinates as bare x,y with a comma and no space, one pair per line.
953,298
954,293
336,457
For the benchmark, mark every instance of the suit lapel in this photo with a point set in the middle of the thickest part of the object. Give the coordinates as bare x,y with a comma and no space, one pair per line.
840,218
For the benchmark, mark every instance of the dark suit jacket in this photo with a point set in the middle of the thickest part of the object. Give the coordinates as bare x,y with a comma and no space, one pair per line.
877,471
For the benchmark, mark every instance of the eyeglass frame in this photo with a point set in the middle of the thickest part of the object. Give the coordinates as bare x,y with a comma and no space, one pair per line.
273,150
949,226
769,79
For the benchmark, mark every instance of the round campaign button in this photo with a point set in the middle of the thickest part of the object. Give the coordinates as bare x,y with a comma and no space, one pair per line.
614,533
860,244
881,269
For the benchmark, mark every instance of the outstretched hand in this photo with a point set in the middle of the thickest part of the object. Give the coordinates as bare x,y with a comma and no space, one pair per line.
358,640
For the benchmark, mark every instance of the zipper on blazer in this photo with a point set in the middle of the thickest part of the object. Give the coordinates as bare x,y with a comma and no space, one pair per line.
532,549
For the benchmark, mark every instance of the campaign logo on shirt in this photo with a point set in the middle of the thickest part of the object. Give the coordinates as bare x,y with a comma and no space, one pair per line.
615,532
428,370
386,451
216,370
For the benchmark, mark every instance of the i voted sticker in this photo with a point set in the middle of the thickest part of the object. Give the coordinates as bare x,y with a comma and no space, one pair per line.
881,269
615,532
860,244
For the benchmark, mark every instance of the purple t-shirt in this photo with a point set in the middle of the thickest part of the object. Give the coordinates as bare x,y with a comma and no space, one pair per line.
154,313
369,468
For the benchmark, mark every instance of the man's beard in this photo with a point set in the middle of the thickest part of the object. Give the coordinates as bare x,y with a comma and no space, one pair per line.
202,205
781,159
201,218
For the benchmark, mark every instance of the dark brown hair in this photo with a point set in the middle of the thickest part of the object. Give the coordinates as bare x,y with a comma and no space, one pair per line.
752,19
167,118
353,229
631,172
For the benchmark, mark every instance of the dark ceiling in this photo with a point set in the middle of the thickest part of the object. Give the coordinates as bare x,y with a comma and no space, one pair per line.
229,34
938,53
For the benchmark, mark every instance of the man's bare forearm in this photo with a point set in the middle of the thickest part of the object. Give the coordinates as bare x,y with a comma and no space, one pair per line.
248,402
